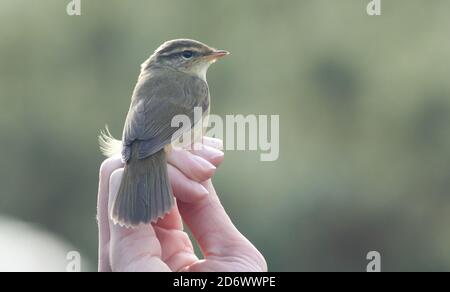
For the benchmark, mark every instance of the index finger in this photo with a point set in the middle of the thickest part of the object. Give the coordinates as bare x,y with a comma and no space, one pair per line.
106,169
214,230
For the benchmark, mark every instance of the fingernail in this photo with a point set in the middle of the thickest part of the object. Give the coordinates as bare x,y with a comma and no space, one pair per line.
197,146
204,164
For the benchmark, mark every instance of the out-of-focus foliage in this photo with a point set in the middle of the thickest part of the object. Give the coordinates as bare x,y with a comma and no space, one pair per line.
364,105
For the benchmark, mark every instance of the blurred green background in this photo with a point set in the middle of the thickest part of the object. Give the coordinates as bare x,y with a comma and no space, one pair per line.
364,105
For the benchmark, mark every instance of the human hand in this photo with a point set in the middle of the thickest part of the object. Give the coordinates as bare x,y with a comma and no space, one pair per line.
164,246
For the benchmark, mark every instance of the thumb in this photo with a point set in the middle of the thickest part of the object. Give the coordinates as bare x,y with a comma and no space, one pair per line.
133,249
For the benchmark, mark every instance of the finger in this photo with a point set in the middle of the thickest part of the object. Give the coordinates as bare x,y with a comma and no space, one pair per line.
185,189
193,166
177,249
213,142
133,249
211,154
212,228
106,169
171,221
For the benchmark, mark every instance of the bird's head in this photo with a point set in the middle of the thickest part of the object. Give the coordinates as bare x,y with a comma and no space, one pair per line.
188,56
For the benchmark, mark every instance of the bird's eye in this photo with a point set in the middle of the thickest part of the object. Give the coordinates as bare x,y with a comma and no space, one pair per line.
188,55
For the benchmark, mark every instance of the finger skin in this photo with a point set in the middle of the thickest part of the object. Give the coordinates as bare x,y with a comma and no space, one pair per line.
216,234
133,249
193,166
177,249
106,169
211,154
164,246
185,189
171,221
213,142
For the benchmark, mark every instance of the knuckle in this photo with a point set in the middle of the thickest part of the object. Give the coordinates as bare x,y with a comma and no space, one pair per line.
201,174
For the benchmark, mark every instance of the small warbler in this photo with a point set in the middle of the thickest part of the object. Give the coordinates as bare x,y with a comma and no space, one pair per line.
172,82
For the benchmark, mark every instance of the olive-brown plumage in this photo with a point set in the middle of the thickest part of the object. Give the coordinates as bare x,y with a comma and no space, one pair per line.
172,82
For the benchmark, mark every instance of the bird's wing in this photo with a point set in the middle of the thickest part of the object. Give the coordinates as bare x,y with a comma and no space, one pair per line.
155,102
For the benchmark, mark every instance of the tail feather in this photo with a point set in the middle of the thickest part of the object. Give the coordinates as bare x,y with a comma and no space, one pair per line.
109,146
145,194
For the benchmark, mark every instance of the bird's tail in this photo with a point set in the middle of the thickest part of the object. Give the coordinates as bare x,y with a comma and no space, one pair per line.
109,146
145,194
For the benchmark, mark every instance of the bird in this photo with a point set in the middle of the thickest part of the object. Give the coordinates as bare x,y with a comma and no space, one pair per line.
172,82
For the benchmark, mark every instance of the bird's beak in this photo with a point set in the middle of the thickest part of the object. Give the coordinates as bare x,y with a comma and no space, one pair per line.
217,54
